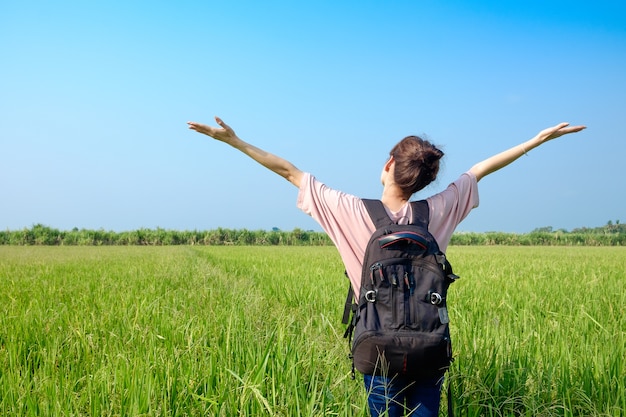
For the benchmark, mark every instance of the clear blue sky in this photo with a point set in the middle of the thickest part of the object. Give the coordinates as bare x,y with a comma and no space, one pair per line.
95,96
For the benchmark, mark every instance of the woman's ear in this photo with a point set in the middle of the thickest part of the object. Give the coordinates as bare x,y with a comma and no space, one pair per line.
389,163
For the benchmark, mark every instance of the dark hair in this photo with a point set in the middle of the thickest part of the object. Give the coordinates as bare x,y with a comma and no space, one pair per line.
416,164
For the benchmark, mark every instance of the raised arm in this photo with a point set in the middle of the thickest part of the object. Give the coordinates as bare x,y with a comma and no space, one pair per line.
274,163
494,163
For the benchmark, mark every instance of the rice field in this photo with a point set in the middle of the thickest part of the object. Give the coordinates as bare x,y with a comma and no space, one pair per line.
256,331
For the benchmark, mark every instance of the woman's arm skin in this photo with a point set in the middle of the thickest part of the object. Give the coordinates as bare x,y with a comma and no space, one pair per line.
292,174
274,163
494,163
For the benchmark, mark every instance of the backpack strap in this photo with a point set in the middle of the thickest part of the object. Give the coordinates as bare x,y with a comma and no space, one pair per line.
379,216
421,212
375,208
349,318
377,212
349,306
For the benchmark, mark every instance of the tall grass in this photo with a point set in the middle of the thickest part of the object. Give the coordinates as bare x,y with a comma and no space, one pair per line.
172,331
540,331
249,331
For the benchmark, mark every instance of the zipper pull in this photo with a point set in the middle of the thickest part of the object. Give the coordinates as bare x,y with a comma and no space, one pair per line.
377,266
411,283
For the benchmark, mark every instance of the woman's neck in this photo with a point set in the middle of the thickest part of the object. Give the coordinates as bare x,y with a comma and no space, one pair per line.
393,198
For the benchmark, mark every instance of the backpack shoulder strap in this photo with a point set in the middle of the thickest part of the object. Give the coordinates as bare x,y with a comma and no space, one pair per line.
376,210
378,214
421,212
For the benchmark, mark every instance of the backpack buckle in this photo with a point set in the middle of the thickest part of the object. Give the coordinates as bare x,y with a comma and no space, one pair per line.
371,296
435,298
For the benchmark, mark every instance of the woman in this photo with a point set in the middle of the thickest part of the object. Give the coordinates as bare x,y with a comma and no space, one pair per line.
412,164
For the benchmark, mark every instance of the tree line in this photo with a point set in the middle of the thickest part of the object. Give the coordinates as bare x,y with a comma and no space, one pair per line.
44,235
613,234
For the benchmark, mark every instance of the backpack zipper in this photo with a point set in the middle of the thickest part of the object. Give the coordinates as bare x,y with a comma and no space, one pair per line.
382,264
378,266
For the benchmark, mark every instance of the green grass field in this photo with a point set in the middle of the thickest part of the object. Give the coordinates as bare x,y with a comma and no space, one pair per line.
251,331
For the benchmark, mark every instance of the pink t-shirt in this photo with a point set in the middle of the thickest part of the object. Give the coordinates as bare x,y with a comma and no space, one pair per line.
346,220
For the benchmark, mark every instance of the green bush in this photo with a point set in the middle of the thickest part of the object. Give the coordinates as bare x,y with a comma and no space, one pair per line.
40,235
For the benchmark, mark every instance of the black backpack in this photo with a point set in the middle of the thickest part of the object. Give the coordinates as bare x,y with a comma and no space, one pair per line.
400,324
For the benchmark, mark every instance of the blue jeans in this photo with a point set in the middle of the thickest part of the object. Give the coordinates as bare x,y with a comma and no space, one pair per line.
396,397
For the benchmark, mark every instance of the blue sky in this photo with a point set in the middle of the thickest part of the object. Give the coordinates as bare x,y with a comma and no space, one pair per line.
95,96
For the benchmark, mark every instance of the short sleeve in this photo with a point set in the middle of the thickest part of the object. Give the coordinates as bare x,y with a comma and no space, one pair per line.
343,217
449,207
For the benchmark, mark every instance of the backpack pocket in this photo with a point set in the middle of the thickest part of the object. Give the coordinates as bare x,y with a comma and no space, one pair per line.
426,299
384,303
402,353
402,294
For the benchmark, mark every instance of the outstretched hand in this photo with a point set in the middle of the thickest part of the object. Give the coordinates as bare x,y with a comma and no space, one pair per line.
225,133
558,130
502,159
